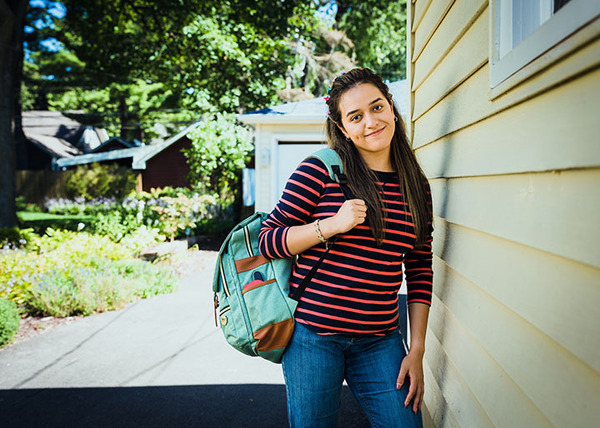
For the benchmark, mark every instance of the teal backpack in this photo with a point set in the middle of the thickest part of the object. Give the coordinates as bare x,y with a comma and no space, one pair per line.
251,292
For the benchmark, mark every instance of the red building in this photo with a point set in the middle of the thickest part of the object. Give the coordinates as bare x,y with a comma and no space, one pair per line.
158,165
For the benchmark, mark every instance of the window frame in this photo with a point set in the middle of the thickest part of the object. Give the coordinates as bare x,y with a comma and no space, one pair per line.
530,56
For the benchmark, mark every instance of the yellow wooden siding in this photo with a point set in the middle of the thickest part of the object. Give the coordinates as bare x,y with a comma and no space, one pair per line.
549,211
466,58
564,389
450,342
420,9
513,338
470,103
513,141
457,21
431,19
461,401
549,291
436,412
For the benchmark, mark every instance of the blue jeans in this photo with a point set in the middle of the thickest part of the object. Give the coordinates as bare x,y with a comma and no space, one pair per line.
315,366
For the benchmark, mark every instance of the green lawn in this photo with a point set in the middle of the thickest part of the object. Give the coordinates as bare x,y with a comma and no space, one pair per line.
40,221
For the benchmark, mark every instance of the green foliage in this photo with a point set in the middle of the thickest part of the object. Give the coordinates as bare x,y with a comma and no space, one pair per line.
172,212
183,213
77,273
9,321
378,30
106,287
23,205
96,179
220,149
18,238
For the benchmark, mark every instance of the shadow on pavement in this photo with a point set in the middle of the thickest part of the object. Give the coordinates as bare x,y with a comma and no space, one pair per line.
220,406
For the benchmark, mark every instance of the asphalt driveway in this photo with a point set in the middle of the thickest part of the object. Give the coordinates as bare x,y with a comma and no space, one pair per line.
160,362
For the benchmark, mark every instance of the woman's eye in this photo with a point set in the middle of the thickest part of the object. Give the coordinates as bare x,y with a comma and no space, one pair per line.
377,108
353,118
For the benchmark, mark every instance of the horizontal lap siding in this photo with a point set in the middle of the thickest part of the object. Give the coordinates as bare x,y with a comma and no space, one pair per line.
555,212
513,334
530,282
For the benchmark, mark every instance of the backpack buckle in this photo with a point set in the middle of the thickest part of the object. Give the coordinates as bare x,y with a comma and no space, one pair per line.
340,178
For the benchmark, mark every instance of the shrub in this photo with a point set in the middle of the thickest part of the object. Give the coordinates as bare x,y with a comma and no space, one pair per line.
77,273
9,321
96,180
18,238
110,286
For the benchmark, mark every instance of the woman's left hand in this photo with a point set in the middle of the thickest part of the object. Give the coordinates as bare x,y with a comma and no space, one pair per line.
412,366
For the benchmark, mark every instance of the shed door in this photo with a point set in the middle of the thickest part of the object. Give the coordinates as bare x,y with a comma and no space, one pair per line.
289,155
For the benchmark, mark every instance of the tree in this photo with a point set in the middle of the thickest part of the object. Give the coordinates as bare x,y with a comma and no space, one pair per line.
220,149
378,30
233,50
364,33
12,20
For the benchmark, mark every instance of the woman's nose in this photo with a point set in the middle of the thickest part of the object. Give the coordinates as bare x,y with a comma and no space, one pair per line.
370,120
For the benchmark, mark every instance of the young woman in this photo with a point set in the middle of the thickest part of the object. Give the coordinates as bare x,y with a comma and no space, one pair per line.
347,318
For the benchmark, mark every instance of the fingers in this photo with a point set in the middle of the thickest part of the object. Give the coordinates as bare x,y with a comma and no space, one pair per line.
359,208
416,387
411,392
401,377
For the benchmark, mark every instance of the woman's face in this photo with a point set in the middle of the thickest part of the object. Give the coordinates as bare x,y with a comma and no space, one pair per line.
367,119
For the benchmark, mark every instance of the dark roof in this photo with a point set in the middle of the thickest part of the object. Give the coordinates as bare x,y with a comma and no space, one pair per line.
59,135
113,143
139,155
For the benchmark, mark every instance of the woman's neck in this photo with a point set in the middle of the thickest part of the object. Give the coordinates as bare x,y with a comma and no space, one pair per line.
378,161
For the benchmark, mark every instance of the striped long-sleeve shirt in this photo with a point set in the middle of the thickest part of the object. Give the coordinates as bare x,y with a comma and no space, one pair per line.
355,290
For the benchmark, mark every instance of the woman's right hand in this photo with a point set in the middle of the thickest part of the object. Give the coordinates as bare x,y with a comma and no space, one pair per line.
351,213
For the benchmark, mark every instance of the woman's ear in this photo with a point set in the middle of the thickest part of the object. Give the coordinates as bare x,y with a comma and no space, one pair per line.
343,131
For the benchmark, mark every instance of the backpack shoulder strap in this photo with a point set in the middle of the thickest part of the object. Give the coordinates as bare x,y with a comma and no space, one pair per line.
330,158
335,168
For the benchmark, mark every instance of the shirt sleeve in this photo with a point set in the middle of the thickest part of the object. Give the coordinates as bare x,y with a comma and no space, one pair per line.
418,266
300,197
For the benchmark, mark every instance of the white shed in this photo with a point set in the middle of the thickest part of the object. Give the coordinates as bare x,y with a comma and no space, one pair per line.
287,133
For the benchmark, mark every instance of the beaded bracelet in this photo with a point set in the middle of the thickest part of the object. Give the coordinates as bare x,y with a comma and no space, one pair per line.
319,234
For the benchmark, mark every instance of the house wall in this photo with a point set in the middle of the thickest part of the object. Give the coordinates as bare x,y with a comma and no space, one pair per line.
267,137
513,337
167,168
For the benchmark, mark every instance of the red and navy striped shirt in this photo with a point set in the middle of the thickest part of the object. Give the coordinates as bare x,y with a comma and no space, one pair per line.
355,290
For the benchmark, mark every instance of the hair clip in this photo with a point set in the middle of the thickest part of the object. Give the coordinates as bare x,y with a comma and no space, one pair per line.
326,98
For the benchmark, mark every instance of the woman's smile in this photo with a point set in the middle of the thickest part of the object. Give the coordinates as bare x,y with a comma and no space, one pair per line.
375,133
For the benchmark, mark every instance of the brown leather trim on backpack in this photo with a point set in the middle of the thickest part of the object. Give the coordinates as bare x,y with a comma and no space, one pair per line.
274,336
257,284
249,263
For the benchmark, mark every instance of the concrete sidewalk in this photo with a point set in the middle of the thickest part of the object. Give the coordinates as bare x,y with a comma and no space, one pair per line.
160,362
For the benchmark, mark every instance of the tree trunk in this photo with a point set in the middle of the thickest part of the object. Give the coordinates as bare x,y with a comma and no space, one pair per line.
123,116
12,21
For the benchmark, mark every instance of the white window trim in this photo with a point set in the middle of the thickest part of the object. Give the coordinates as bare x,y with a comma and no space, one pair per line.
522,59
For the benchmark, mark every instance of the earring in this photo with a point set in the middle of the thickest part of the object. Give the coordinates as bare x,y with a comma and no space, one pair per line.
348,139
395,118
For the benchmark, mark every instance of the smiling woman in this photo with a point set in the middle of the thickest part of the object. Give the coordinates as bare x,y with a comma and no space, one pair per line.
347,317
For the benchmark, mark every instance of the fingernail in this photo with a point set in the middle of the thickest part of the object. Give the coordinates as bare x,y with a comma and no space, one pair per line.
398,385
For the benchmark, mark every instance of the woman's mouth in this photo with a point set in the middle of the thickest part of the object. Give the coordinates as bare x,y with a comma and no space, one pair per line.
376,133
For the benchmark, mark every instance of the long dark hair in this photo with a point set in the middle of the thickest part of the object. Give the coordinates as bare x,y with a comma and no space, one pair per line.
403,160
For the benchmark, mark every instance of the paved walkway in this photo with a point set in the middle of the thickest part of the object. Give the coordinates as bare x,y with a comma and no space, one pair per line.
160,362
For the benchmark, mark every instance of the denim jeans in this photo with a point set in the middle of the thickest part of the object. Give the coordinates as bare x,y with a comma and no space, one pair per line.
315,366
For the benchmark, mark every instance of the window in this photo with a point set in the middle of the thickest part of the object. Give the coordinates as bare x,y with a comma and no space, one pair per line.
523,30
